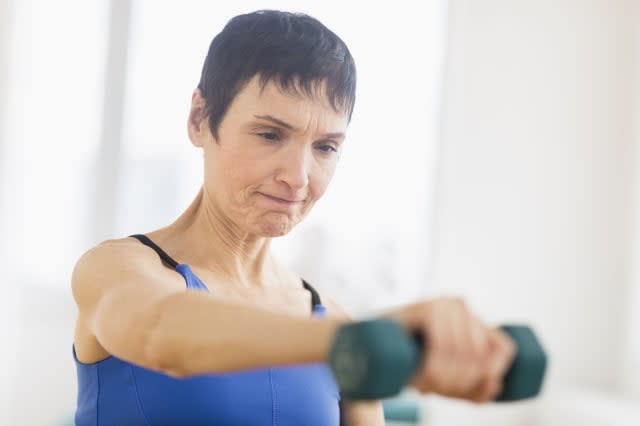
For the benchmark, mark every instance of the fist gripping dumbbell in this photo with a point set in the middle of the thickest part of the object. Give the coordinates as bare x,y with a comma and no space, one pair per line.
376,359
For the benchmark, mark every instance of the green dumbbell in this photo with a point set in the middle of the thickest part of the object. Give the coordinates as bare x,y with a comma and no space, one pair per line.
376,359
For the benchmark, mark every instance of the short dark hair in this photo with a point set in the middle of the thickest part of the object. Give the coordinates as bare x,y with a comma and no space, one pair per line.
294,50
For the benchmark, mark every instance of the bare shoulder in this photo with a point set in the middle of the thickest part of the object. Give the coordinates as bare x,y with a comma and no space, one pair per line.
104,258
111,262
335,310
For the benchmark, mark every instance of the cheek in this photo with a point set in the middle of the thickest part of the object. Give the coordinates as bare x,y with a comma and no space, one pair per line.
236,172
225,183
319,182
326,175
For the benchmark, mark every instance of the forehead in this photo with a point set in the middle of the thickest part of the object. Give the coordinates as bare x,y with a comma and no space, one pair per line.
292,105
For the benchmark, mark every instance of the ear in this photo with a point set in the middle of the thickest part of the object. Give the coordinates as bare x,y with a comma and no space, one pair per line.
198,123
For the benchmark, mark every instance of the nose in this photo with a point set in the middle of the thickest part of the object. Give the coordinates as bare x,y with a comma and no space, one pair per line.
294,167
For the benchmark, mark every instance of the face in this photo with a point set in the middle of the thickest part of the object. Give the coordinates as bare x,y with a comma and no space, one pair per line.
275,154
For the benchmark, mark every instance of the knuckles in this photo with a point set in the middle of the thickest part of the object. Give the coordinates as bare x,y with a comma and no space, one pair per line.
469,345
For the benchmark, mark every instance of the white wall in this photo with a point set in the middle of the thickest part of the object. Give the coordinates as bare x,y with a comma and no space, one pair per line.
534,194
8,335
535,198
631,379
44,372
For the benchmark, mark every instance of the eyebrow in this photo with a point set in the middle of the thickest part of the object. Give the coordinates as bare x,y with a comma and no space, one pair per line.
290,127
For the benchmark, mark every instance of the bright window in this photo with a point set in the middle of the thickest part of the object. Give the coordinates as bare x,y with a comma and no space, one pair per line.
54,106
371,231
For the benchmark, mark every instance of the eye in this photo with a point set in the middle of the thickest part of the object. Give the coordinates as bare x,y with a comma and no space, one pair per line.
327,148
270,136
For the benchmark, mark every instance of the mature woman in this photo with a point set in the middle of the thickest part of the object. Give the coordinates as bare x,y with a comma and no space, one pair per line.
196,323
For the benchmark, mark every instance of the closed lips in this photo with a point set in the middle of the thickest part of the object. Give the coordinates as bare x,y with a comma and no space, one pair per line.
282,199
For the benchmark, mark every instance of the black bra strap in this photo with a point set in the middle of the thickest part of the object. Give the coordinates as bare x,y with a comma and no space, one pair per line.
315,297
164,256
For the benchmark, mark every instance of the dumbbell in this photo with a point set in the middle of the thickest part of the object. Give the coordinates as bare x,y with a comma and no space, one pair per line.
376,359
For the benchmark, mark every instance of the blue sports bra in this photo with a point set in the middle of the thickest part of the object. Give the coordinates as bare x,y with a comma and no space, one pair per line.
114,392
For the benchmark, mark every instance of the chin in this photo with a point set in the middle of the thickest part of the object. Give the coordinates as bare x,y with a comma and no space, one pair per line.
275,227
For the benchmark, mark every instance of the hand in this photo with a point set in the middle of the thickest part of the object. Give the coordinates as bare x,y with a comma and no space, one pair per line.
463,357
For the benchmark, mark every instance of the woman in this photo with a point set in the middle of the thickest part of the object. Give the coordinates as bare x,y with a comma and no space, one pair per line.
248,347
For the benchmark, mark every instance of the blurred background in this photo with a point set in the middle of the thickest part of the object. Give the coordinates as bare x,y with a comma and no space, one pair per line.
493,155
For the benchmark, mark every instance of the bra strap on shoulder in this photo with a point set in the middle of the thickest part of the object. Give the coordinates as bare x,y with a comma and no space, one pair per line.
315,297
163,255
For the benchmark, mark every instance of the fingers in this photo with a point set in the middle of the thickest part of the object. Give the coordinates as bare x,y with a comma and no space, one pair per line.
479,357
486,391
465,363
505,351
464,358
502,353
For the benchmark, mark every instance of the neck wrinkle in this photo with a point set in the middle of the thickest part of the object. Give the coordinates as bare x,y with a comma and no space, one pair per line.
242,258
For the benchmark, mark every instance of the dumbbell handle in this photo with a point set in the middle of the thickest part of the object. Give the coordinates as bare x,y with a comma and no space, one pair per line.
377,358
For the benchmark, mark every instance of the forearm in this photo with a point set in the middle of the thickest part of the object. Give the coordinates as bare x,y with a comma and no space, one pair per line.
195,333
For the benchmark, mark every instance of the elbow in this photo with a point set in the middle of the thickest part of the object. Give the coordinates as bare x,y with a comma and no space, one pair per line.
157,358
160,355
153,337
158,348
165,348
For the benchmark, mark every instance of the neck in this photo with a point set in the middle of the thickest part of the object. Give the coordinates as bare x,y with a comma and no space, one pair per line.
202,236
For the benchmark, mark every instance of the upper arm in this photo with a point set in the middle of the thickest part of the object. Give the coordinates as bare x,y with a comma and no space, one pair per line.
116,285
355,413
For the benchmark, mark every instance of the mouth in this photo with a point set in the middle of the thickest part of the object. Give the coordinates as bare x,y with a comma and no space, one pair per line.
281,200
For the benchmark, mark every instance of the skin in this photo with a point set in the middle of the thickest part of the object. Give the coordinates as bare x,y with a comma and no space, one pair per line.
270,144
274,157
